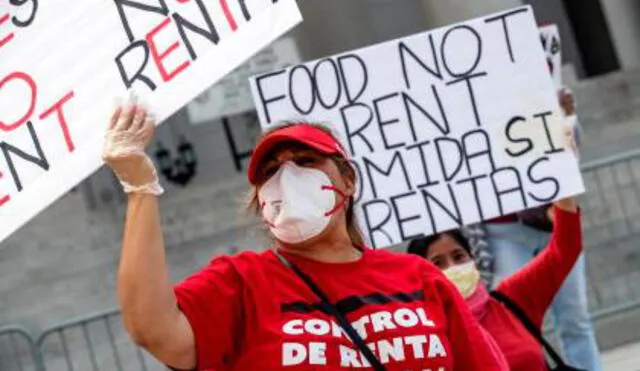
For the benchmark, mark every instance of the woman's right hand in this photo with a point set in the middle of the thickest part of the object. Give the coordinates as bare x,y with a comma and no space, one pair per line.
130,131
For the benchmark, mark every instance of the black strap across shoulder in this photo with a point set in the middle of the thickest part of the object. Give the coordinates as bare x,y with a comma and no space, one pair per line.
533,330
331,309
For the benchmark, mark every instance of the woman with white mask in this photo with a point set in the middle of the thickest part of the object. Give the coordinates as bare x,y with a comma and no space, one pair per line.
512,315
316,300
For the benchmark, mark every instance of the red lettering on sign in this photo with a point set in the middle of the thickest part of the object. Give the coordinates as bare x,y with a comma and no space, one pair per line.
158,57
228,15
5,198
7,38
32,86
57,107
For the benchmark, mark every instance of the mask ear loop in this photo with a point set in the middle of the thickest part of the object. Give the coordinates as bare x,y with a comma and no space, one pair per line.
262,205
340,204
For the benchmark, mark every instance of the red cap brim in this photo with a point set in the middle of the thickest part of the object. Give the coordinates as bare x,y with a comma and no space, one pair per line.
308,135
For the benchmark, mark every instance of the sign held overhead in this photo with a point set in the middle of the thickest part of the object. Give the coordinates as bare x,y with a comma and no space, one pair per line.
446,127
61,68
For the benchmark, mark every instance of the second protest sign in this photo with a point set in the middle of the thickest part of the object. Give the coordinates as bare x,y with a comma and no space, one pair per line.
446,127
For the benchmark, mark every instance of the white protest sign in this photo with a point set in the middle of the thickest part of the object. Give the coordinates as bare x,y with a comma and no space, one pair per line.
446,127
550,38
62,64
232,94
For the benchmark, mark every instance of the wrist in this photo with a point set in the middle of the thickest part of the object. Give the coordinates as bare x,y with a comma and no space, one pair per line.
567,204
139,196
152,188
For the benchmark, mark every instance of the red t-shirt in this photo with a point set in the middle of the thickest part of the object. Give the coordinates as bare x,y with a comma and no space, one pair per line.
251,312
533,289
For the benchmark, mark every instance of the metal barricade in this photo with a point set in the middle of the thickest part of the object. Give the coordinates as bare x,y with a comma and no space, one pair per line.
97,342
17,350
611,222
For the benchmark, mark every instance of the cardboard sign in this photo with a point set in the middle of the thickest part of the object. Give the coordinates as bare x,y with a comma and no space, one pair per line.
550,38
446,127
62,65
232,95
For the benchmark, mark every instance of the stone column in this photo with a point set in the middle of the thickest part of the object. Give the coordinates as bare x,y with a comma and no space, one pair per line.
623,17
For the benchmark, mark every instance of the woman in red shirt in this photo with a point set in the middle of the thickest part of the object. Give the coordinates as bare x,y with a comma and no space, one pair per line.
532,288
253,311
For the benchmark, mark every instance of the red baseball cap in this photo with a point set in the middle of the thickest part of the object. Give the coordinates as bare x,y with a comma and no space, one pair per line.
306,134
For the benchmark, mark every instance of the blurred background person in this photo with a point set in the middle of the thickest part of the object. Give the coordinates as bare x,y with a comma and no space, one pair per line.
516,239
532,287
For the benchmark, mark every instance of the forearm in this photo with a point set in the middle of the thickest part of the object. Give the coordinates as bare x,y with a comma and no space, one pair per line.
149,309
536,284
551,268
145,292
566,244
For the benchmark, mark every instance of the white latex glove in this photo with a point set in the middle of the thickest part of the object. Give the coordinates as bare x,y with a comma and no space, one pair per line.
130,131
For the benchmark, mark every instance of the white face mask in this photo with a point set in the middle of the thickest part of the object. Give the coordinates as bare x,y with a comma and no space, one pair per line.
297,202
465,277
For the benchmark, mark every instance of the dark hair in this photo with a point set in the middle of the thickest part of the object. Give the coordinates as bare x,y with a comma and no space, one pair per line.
420,246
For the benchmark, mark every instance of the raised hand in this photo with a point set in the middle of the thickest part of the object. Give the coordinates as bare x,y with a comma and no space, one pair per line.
130,131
